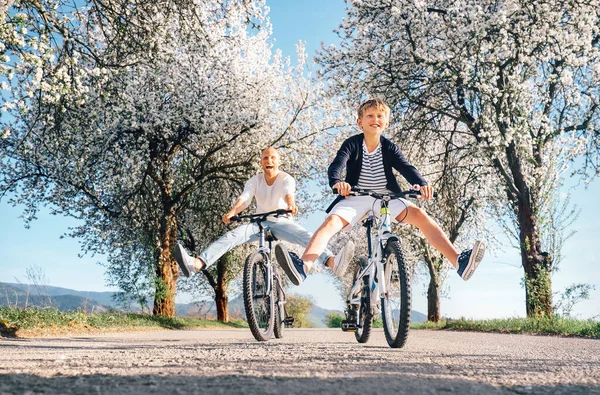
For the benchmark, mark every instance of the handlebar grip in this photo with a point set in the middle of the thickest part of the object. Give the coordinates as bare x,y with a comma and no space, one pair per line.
352,189
417,194
281,212
234,218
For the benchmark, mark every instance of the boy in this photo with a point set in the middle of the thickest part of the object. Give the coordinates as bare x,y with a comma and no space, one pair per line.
368,159
273,189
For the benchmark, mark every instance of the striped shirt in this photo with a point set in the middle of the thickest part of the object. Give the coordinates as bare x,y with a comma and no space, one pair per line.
372,175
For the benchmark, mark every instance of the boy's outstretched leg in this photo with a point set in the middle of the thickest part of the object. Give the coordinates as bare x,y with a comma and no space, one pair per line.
339,263
465,263
468,260
297,268
291,264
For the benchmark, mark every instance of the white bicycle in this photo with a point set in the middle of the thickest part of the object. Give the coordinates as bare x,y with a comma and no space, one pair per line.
381,279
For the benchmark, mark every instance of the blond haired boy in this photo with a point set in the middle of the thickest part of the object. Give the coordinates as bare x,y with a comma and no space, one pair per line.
366,161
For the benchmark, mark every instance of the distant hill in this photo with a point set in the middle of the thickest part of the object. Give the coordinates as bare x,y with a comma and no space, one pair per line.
65,299
318,316
25,295
417,317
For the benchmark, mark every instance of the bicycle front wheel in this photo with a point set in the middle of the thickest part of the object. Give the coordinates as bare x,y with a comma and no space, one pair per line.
279,308
258,301
365,314
396,303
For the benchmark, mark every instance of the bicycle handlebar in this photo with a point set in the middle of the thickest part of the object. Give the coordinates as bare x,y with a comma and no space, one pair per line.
411,193
260,216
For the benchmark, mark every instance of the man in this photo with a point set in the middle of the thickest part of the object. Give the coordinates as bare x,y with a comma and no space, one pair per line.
273,189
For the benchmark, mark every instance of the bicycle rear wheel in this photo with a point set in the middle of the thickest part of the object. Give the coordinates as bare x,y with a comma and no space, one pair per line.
258,303
396,304
365,314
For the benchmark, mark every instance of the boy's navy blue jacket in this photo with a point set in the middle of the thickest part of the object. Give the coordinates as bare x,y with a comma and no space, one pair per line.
350,156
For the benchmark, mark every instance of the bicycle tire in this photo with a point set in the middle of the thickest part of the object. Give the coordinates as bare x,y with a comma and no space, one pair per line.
278,324
258,304
365,314
397,301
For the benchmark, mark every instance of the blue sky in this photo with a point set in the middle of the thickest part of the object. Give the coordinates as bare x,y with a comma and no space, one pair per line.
493,292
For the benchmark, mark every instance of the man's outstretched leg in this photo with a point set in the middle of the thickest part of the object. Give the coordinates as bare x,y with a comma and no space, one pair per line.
189,265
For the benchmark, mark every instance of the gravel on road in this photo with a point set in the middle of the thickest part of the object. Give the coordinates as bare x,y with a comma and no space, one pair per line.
306,360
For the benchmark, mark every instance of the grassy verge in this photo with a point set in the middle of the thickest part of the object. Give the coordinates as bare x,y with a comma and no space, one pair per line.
545,326
50,321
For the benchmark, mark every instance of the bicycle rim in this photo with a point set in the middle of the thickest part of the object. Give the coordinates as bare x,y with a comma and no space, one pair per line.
396,304
259,304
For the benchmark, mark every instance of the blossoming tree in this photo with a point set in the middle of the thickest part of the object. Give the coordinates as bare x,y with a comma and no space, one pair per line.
148,104
522,77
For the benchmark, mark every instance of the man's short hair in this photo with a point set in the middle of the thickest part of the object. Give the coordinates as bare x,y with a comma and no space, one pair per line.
270,147
375,102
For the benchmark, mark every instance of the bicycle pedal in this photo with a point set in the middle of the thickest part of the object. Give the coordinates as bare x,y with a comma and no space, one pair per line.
288,322
349,326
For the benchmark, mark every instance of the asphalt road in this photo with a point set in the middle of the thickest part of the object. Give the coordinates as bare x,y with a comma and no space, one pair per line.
304,361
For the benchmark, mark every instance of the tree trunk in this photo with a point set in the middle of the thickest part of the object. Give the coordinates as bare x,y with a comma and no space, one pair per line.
537,264
434,263
221,288
166,268
433,298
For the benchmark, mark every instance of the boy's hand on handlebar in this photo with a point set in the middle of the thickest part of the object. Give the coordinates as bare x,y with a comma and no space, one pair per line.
426,191
343,188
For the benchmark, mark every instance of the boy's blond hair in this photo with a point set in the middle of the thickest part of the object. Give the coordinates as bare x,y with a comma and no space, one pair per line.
377,103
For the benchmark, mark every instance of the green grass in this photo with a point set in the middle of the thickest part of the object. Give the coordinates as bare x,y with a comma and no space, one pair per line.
543,326
13,320
36,321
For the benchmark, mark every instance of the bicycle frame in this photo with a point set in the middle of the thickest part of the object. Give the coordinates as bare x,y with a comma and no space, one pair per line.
375,256
384,268
267,252
262,240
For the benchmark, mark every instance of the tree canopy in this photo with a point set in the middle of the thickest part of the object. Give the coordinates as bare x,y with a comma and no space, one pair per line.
520,77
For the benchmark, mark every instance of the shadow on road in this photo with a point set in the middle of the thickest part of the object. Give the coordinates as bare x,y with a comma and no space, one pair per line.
7,332
160,384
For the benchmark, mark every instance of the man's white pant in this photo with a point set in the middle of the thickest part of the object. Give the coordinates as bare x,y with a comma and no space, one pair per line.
284,229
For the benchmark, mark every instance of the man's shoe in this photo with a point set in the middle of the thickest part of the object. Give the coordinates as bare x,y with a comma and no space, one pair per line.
468,260
343,258
291,264
185,262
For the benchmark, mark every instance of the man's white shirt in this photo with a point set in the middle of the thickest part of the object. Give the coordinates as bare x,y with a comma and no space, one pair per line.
268,197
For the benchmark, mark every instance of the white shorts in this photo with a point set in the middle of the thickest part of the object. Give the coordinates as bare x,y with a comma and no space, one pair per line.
354,208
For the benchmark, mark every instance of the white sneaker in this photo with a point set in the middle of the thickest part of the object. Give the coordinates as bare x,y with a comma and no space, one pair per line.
343,258
185,262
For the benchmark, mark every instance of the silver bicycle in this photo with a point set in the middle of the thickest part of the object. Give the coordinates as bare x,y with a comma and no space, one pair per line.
264,297
381,278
